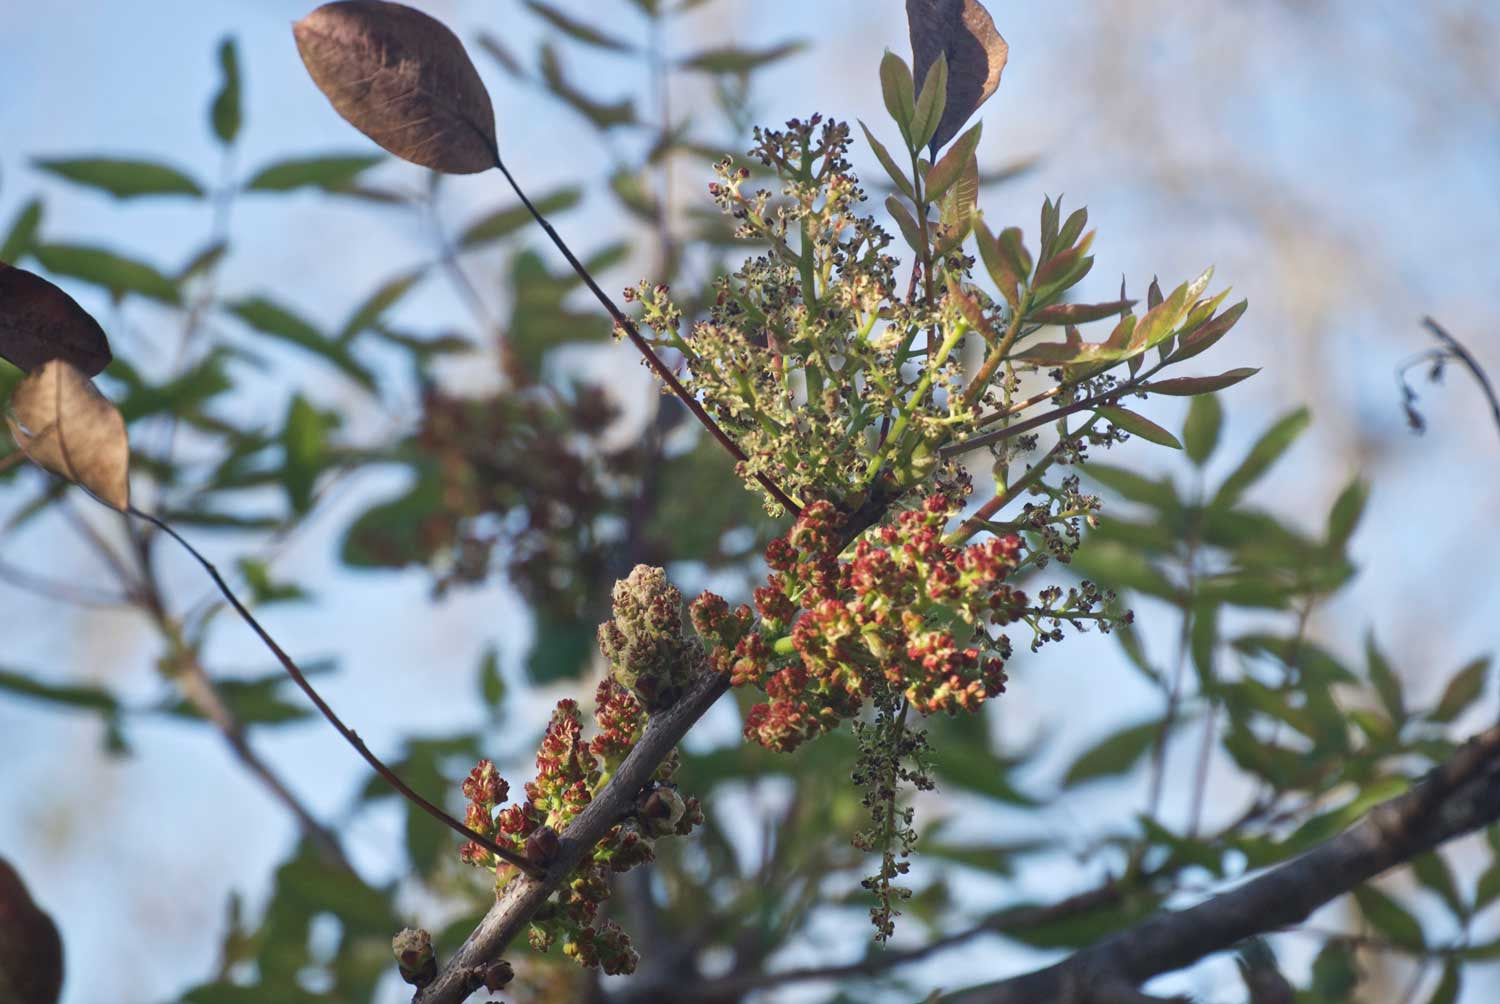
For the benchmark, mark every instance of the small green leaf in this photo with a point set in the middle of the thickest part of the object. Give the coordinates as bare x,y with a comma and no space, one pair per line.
998,266
302,438
1463,690
509,219
601,114
264,590
906,222
1012,246
328,173
1433,872
22,233
1157,493
931,103
1267,450
899,91
401,532
898,176
1138,425
1200,433
115,272
1389,917
122,178
1114,755
1193,386
225,114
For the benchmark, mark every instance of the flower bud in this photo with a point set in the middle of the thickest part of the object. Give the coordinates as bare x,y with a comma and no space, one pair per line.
542,845
414,956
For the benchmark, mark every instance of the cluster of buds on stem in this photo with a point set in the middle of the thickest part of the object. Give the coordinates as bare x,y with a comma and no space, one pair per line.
571,771
907,616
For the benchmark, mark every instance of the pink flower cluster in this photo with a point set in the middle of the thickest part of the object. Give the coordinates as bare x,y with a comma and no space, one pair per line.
570,772
906,614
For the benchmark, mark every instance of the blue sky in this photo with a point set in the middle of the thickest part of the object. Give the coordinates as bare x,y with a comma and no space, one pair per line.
1337,162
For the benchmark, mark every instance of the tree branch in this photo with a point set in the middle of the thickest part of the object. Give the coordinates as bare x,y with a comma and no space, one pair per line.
1455,798
524,895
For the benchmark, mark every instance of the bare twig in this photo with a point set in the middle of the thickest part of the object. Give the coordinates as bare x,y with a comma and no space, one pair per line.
626,325
1450,348
349,734
1457,797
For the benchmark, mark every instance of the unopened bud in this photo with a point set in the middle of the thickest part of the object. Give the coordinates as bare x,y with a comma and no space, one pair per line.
542,845
414,956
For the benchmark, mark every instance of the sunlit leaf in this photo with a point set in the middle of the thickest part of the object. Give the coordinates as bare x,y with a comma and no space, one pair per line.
65,425
1139,425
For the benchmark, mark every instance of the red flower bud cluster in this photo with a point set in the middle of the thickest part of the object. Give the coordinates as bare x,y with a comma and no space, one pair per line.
570,772
907,614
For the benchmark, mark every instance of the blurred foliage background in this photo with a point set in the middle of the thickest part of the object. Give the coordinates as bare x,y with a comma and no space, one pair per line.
378,398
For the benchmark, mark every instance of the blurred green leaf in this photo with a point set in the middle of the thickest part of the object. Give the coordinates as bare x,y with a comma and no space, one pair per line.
400,532
304,434
124,179
601,114
561,651
225,113
22,234
330,172
1117,754
1387,683
1448,986
378,302
1466,687
1334,974
1158,493
1433,872
1388,917
270,318
1345,515
491,683
1266,451
115,272
263,589
577,30
76,695
1200,434
505,221
897,175
734,59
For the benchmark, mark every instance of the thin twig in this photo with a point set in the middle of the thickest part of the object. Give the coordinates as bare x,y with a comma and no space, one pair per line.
350,736
626,325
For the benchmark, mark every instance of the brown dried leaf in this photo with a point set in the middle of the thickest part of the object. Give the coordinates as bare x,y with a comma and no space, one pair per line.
965,32
404,80
62,422
38,322
31,969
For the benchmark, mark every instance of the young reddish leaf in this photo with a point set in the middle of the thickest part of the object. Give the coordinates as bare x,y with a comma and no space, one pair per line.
998,266
898,89
963,32
1072,228
404,80
1078,313
907,222
122,178
1012,245
898,176
952,164
39,322
31,952
64,424
1209,333
225,114
1139,426
1190,386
